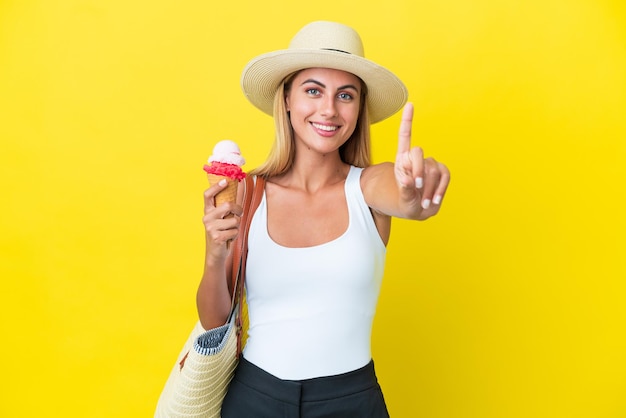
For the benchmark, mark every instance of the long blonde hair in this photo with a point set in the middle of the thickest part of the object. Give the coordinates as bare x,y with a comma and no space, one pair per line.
356,151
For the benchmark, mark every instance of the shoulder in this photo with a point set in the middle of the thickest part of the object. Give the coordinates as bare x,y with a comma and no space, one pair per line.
376,175
378,169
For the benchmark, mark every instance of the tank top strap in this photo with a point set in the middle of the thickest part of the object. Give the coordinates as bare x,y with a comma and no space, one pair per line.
359,210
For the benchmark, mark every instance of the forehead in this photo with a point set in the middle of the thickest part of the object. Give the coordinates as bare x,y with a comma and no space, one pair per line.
328,76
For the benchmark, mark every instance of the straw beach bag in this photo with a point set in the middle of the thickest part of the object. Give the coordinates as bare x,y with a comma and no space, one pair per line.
199,380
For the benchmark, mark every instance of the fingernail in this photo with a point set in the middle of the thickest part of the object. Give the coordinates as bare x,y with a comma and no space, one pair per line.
222,182
419,182
426,203
437,199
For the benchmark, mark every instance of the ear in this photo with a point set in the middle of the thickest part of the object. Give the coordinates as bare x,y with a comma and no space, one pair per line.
287,102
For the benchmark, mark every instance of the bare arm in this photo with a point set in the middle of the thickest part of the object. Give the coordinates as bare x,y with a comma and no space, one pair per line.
213,299
413,187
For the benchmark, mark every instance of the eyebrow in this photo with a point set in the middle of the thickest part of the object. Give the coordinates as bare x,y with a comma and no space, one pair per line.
347,86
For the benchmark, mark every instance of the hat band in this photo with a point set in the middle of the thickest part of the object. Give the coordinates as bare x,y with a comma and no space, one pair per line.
336,50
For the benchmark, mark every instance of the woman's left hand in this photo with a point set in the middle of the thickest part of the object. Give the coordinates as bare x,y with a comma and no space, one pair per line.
422,182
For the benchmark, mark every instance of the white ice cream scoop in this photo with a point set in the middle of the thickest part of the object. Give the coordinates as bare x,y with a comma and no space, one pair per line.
227,151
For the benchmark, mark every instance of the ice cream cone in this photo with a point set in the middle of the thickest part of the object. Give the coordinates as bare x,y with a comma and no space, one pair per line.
229,194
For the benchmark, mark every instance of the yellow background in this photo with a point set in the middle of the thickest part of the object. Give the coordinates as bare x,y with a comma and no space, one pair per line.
511,303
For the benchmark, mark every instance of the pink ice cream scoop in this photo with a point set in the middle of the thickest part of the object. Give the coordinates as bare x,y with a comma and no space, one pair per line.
226,161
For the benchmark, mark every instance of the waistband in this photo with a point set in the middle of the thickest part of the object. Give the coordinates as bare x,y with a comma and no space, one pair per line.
309,390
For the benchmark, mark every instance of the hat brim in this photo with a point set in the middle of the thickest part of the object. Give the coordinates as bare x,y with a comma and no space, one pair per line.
260,79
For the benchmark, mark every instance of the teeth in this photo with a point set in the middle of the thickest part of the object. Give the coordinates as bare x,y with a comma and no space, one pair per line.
324,127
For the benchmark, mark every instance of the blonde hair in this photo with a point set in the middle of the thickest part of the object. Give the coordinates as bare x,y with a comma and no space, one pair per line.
356,151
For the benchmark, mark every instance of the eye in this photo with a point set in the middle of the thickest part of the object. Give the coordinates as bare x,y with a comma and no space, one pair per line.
312,91
345,96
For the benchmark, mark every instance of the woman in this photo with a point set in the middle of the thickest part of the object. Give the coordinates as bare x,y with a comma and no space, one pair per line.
317,241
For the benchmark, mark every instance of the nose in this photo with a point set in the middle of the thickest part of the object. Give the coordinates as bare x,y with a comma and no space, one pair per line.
329,107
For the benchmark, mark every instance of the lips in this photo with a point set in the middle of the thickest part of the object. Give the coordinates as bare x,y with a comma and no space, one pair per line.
326,128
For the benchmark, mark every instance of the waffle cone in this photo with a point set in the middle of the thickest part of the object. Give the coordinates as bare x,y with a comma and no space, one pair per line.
229,194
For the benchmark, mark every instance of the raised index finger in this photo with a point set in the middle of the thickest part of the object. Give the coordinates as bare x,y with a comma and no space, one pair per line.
404,135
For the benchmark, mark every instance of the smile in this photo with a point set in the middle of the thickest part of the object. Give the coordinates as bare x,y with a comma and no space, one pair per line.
327,128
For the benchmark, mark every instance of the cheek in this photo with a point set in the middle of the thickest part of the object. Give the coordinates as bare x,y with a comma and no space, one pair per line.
301,108
351,115
294,103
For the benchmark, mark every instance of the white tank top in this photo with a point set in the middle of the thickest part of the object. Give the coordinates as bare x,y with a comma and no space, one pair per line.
311,309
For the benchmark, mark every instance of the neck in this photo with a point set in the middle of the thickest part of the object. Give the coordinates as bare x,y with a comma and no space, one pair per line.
311,174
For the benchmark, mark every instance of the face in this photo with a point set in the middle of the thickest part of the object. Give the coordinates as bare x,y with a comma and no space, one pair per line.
323,105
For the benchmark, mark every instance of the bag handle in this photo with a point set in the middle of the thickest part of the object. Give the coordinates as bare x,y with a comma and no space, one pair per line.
253,193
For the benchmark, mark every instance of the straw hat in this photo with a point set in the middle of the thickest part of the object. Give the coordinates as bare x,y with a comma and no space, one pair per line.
327,45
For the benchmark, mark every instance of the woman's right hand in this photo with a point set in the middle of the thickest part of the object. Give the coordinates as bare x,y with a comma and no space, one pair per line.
220,228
